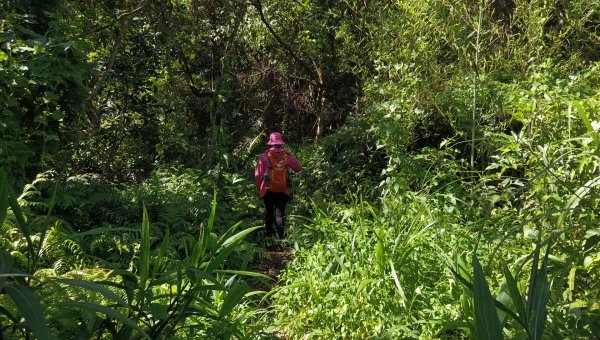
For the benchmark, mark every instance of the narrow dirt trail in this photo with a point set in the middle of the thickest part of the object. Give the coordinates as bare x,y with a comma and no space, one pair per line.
272,263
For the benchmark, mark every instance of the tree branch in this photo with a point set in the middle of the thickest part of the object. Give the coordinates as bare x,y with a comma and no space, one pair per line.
123,19
315,78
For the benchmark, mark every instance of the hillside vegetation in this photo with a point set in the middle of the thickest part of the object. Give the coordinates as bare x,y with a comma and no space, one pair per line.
450,183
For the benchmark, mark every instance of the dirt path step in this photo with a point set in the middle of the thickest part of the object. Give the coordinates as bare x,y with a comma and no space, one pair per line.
272,263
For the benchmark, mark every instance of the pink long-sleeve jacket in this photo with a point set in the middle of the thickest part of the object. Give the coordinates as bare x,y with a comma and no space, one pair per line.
263,164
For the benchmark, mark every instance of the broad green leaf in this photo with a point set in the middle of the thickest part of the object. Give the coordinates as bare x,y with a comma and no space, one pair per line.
233,298
338,258
532,278
239,236
159,311
227,248
539,297
31,309
215,262
514,293
204,308
213,212
486,317
228,233
505,300
311,286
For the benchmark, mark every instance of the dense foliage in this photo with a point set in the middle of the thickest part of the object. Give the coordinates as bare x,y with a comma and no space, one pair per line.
451,155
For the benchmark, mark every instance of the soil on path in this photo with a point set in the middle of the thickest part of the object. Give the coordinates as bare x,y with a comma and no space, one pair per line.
272,263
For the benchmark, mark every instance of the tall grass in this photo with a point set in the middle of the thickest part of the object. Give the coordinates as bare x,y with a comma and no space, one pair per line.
371,272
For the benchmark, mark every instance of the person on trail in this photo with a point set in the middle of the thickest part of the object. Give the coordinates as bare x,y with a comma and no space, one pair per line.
272,177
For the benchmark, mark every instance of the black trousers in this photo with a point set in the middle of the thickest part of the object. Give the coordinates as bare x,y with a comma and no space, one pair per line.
275,203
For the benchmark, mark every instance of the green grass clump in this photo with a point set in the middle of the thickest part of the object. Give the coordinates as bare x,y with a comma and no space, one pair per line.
373,272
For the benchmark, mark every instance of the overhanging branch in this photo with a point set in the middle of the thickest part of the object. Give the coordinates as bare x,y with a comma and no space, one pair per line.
316,78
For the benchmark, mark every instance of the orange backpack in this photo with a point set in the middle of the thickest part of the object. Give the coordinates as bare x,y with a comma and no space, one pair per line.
278,171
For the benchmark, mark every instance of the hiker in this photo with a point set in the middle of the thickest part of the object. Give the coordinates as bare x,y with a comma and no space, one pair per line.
272,176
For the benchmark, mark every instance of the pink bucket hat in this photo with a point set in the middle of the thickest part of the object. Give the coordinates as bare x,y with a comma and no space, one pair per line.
275,139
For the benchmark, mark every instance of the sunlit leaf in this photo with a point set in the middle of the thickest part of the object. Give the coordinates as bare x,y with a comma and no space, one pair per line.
486,317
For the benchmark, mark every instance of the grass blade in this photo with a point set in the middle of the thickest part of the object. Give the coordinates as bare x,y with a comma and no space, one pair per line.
465,282
486,317
539,297
227,248
397,281
31,309
504,309
200,247
52,202
515,295
161,258
22,224
19,216
244,273
380,254
145,249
